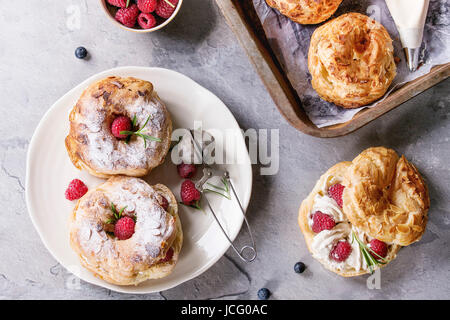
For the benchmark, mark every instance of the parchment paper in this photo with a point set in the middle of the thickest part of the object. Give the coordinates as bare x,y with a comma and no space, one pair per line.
290,43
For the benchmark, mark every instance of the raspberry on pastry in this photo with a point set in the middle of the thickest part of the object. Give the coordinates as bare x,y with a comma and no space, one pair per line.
335,191
168,256
186,170
120,124
146,20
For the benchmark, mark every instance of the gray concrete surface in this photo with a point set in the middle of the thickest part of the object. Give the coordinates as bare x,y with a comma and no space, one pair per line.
37,66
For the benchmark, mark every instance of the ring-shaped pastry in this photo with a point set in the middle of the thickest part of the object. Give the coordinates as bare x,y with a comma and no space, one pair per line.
90,142
153,249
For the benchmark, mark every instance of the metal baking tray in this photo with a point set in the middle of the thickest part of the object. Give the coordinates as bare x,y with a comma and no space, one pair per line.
243,20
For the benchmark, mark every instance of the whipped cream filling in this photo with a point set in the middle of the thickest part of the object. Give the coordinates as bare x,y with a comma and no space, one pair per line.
324,241
105,152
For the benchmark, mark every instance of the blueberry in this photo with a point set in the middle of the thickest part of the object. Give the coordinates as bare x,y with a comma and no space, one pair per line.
81,52
263,294
299,267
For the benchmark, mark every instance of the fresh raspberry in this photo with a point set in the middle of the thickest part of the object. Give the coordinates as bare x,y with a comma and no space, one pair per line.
128,16
165,10
124,228
341,251
118,3
322,221
168,256
335,192
119,124
186,170
164,203
189,194
379,247
75,190
146,20
147,6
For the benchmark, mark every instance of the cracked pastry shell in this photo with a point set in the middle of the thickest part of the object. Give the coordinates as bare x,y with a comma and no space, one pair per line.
386,197
351,60
306,11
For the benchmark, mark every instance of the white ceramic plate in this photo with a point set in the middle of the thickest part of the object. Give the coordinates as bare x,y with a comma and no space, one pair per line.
49,171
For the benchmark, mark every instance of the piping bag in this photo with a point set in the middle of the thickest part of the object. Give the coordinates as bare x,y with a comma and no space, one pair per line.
409,17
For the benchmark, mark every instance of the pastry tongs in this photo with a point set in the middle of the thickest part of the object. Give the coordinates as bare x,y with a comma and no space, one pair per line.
208,173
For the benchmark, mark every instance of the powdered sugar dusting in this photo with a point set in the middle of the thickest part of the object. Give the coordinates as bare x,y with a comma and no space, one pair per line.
106,152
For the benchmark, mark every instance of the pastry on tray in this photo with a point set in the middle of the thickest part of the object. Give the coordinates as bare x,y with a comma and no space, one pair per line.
351,60
361,213
119,126
306,11
126,231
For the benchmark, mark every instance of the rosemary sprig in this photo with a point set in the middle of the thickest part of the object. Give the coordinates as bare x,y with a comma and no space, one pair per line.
225,189
368,254
116,214
139,132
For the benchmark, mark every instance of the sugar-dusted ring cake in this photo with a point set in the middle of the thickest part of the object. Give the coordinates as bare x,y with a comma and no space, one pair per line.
321,243
347,208
306,11
90,142
150,253
351,60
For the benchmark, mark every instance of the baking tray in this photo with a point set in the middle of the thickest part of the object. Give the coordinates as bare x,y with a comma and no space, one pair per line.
243,20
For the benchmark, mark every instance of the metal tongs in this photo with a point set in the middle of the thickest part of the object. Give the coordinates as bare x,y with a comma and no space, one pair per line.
208,173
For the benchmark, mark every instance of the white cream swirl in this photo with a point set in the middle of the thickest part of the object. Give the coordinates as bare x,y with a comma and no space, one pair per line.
324,241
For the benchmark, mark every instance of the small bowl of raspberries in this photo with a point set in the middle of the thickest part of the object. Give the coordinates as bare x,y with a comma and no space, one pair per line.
141,15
